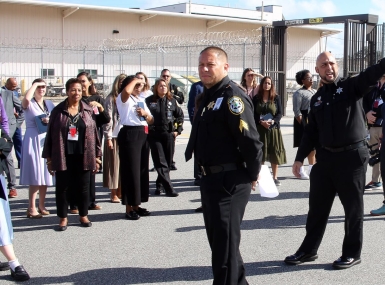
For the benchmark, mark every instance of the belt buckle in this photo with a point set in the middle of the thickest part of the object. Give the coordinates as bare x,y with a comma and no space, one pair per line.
203,170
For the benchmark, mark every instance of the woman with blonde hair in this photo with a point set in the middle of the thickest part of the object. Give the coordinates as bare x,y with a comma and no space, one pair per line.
33,170
146,92
111,163
249,82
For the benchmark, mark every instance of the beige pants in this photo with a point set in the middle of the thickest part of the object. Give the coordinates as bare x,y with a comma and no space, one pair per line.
375,133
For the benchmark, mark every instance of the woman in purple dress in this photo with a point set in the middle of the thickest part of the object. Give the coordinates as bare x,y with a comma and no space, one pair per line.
33,170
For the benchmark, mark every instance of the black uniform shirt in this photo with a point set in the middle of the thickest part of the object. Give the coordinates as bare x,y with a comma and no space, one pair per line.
224,130
176,94
337,117
163,120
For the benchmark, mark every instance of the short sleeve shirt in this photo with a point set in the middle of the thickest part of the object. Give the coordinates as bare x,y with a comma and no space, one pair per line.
127,111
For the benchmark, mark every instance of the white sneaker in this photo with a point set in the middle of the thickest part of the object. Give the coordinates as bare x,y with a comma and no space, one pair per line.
304,176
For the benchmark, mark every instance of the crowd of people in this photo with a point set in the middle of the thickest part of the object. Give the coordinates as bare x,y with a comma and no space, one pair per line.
62,146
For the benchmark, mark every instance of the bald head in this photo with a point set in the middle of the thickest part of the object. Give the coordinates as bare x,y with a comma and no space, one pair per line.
11,84
327,67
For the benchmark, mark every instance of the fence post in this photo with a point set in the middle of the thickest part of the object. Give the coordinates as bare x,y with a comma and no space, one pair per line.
103,69
84,59
42,62
188,64
244,55
383,41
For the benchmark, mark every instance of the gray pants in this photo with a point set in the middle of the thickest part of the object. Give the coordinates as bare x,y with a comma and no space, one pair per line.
10,172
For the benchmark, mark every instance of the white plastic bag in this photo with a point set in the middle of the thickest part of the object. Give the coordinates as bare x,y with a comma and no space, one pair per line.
267,187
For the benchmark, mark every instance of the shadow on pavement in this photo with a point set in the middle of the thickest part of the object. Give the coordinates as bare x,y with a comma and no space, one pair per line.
131,275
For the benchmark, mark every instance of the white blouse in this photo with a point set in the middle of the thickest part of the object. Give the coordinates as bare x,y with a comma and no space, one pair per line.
127,111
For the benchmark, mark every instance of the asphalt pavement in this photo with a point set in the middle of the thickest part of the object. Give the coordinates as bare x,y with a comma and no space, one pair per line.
170,246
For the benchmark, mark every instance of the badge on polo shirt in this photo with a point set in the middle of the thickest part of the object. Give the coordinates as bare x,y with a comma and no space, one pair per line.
236,105
319,102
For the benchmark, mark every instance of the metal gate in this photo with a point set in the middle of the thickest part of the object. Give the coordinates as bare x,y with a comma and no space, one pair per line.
363,45
273,59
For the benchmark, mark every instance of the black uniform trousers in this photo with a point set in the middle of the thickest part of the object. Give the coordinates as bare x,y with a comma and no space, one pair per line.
75,183
382,167
342,173
224,199
162,152
134,155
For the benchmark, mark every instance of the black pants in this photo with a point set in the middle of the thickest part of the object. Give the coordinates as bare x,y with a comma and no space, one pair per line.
73,182
197,171
134,155
382,167
224,199
162,151
92,188
342,173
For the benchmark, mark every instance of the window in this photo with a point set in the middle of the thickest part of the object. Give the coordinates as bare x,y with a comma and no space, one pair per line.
92,72
47,73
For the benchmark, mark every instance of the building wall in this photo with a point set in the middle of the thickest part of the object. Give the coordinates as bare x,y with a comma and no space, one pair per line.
32,39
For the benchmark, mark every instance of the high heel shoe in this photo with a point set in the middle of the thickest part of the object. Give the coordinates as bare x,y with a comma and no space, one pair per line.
43,212
29,215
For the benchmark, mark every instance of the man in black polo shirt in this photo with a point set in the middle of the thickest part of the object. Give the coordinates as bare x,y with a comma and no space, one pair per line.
337,131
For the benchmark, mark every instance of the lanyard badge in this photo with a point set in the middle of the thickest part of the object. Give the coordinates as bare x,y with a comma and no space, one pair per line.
73,133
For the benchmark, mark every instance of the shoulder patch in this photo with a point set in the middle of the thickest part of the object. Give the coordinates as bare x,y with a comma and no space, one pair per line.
236,105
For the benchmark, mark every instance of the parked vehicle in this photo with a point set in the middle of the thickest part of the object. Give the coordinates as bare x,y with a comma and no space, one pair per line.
55,90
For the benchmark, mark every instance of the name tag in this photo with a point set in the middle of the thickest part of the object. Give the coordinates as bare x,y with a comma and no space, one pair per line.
218,103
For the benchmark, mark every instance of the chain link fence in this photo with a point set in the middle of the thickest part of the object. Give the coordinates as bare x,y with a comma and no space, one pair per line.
57,61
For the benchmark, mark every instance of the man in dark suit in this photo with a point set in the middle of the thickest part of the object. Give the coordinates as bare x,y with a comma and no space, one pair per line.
15,115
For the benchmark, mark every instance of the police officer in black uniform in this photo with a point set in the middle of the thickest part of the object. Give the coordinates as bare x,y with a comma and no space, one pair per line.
337,130
226,145
168,124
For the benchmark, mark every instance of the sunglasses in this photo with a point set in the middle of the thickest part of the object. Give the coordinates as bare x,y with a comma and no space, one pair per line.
166,76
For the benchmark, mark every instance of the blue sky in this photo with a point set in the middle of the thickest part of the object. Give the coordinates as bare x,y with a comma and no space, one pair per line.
292,9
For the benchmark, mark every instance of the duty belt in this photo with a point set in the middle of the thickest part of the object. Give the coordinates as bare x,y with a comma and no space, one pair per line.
207,170
345,148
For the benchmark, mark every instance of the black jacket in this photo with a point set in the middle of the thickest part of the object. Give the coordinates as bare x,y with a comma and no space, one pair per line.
368,102
336,116
176,94
224,130
159,109
5,148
